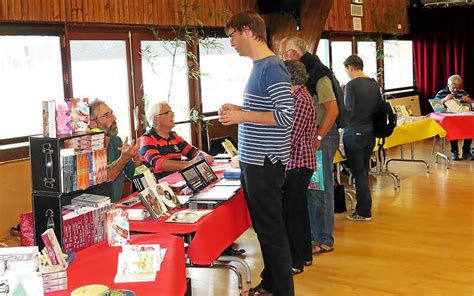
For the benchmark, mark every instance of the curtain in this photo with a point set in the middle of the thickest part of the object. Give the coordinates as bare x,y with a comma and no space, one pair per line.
443,41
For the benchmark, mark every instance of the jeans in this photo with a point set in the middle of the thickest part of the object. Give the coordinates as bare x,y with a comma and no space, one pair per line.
295,215
262,187
321,203
358,147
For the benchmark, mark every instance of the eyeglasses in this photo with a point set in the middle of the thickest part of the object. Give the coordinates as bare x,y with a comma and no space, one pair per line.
286,52
165,113
106,115
231,35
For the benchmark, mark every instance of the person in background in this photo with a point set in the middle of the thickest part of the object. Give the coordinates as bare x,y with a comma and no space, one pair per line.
320,203
299,169
122,157
265,121
162,149
362,99
454,92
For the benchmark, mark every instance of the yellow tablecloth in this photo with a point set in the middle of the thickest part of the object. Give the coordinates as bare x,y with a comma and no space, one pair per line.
412,132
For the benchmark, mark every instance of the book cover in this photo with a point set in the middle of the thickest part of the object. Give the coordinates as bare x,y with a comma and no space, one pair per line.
152,202
230,148
167,195
118,230
49,249
317,179
187,216
136,267
57,252
49,119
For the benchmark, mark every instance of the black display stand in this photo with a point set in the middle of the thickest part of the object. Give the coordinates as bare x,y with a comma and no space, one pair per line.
47,197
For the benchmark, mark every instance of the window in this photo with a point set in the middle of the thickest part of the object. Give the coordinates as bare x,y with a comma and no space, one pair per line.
398,63
165,78
99,70
224,74
340,50
30,72
367,51
323,51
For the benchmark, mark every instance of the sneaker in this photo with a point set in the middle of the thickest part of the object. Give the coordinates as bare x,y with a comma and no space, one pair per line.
467,156
456,156
356,217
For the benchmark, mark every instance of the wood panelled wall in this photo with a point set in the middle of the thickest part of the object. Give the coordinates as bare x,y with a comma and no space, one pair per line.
379,16
137,12
313,17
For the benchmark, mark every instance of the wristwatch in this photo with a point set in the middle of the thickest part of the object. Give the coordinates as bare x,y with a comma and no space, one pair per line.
319,138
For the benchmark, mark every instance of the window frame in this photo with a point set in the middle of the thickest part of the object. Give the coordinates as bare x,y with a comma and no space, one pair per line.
379,39
20,149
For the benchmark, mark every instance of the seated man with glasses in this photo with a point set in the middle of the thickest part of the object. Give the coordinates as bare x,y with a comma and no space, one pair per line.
122,157
162,149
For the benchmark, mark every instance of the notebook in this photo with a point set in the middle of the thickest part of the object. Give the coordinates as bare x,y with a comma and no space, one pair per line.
199,176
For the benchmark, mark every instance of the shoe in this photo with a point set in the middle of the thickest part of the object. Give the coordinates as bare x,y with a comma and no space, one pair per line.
297,270
233,252
258,290
308,263
356,217
321,248
467,156
455,156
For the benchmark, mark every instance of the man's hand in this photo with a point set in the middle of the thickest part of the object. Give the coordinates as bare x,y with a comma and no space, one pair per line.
317,144
209,158
229,107
130,151
466,99
230,117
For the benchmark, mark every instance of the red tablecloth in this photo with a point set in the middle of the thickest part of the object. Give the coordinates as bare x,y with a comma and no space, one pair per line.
98,265
213,233
458,127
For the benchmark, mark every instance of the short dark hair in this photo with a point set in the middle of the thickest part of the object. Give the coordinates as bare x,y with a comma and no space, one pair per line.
297,71
249,19
354,61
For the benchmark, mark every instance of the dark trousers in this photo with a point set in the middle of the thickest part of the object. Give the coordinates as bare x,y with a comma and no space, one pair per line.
358,148
262,187
295,215
466,146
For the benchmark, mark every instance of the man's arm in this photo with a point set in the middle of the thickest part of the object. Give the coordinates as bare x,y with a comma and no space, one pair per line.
128,152
327,99
280,94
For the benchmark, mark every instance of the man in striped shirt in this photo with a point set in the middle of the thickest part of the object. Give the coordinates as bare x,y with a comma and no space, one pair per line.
265,121
161,148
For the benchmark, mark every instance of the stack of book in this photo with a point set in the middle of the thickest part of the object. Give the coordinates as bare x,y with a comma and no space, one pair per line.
91,200
80,170
139,263
84,226
54,271
19,271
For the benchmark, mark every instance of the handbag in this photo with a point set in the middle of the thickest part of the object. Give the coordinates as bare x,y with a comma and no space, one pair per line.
339,198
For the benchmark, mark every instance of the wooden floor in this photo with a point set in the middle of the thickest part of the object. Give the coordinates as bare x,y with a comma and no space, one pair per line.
420,242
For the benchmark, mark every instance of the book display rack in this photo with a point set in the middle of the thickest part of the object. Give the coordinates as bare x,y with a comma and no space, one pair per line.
61,169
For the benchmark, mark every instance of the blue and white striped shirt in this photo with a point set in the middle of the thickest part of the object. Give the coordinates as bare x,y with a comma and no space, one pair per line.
267,90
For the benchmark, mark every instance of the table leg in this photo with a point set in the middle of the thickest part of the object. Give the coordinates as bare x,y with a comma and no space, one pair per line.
412,157
239,260
442,152
218,264
380,172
